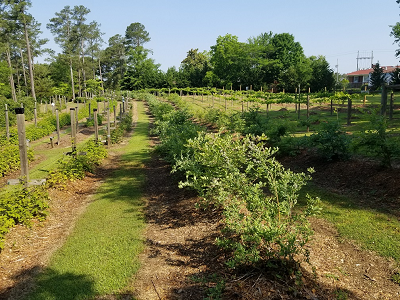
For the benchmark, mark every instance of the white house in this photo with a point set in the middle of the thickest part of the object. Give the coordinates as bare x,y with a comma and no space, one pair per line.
362,77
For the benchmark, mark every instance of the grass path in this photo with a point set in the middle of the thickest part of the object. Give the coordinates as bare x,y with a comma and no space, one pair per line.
100,256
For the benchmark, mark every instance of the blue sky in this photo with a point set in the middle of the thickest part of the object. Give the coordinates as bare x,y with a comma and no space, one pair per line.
336,29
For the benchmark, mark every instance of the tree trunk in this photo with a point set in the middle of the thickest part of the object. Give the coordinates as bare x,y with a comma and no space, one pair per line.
23,72
101,78
72,79
28,47
83,69
11,78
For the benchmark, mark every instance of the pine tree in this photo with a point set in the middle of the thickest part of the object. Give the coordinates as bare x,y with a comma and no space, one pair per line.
377,77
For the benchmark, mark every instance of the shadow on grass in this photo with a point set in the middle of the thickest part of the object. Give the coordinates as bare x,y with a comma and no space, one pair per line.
50,284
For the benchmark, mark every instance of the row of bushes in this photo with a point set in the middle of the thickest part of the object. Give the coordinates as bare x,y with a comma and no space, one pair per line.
22,204
331,141
239,175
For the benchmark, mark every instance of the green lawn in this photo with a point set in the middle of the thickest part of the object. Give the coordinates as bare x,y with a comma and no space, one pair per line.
101,254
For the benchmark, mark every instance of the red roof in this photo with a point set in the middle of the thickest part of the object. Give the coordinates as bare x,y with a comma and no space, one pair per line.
386,69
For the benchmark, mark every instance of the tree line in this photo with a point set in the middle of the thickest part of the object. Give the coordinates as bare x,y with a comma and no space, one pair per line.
87,64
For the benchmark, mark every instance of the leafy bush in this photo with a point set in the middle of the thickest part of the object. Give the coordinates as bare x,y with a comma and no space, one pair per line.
75,166
21,206
331,141
256,193
378,141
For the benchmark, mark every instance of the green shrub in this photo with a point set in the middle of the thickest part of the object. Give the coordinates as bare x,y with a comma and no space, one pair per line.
21,206
256,193
378,141
331,141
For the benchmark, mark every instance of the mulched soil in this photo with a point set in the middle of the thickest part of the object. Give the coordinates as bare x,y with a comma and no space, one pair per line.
181,260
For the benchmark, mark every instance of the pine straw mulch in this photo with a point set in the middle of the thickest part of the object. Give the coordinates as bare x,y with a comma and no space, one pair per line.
181,260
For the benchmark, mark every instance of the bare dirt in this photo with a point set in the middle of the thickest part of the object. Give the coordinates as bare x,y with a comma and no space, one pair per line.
181,260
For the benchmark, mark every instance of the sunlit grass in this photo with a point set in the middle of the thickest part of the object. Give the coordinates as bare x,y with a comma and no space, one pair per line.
369,228
101,254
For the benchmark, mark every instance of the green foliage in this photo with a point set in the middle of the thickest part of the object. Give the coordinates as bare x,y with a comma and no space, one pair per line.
257,195
377,77
378,141
75,166
90,122
396,278
174,128
21,206
124,126
10,160
331,141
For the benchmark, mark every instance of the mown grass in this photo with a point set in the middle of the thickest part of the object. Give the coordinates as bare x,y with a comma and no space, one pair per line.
369,228
101,254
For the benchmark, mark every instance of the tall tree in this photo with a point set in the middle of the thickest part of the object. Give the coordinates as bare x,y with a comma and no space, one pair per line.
62,27
228,58
322,75
136,35
142,72
377,77
395,76
195,66
114,62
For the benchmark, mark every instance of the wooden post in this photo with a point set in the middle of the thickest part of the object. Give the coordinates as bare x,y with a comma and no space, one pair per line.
96,126
108,128
90,111
77,117
349,105
299,104
115,116
7,125
23,151
391,106
35,114
383,100
73,130
51,142
308,112
58,126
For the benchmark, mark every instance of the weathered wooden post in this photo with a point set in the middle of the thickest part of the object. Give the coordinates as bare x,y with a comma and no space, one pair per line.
23,151
35,114
58,126
383,100
77,116
7,124
308,112
298,117
349,105
391,106
108,128
96,126
120,112
115,116
51,142
73,130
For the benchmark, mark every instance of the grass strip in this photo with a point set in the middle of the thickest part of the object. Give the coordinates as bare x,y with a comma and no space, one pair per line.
101,254
371,229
